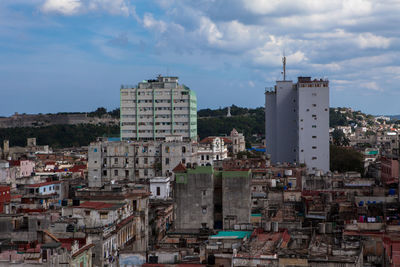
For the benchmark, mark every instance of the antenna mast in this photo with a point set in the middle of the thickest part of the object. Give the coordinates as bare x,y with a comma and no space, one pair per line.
284,67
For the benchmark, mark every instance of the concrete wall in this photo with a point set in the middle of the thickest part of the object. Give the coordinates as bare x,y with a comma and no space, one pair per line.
236,198
313,120
164,188
270,125
194,197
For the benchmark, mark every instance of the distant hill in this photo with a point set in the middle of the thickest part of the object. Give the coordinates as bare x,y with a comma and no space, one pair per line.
393,117
211,122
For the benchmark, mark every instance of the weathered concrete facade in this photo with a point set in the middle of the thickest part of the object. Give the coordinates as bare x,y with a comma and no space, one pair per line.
194,197
130,160
236,199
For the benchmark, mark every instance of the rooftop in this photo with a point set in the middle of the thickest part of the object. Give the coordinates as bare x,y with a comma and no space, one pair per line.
231,235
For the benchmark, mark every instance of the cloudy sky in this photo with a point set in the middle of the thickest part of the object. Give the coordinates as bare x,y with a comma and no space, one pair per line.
73,55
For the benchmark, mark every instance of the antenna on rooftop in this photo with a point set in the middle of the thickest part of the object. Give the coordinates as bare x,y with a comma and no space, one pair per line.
284,66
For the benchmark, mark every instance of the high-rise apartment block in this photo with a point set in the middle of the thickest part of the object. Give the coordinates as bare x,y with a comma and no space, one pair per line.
158,108
297,122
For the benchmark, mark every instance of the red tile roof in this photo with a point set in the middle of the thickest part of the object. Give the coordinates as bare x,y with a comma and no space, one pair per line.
67,242
179,168
95,205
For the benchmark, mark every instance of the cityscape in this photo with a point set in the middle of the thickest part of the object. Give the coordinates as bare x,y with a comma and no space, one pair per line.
276,169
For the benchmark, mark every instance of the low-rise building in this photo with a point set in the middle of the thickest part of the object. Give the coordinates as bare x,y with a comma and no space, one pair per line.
160,188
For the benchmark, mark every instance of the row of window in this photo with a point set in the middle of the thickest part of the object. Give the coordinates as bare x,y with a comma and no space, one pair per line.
161,116
157,131
157,93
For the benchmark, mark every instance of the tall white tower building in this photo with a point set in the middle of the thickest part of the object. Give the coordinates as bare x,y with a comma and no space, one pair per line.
158,108
297,123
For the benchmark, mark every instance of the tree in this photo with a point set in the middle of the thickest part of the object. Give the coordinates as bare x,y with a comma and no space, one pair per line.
337,119
339,138
98,112
344,159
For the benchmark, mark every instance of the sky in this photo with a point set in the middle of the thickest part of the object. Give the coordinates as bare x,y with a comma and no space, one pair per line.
74,55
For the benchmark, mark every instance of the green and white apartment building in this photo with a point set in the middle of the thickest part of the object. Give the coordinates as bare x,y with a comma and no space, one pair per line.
158,108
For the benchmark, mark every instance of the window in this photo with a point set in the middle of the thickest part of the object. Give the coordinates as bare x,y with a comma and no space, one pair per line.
145,160
146,172
314,136
208,157
314,147
314,158
183,161
104,172
204,210
314,116
57,187
87,212
115,160
204,192
103,215
183,149
158,191
116,172
202,157
308,109
166,161
314,105
314,126
126,173
167,149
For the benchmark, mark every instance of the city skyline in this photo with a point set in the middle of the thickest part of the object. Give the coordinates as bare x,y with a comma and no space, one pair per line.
66,56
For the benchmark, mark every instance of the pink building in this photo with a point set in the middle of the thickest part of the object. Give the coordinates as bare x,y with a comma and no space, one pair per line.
26,167
389,170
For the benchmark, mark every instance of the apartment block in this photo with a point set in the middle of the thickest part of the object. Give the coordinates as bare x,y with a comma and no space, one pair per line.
297,122
157,108
133,160
215,199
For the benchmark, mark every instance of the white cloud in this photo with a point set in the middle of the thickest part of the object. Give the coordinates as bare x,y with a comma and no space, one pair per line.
65,7
150,23
372,86
369,40
73,7
114,7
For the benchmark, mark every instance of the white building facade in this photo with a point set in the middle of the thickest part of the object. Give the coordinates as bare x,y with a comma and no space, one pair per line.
297,123
160,188
158,108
